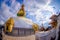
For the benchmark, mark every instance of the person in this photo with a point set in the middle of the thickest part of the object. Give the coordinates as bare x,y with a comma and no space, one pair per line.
1,27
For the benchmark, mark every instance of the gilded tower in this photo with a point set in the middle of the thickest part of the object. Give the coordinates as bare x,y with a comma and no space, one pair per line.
21,12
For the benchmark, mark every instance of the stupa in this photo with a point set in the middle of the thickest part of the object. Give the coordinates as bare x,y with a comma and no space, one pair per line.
20,25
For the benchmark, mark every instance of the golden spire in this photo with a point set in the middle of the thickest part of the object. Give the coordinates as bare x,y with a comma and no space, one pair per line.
35,27
21,11
9,25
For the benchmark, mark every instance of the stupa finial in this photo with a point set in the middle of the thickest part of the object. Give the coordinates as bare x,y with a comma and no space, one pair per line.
21,12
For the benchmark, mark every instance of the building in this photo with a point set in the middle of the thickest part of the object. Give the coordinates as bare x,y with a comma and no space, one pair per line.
58,27
56,23
20,26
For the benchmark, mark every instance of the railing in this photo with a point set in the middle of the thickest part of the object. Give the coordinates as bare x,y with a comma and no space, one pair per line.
20,32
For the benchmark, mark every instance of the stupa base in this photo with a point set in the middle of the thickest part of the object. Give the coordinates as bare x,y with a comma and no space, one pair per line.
30,37
19,34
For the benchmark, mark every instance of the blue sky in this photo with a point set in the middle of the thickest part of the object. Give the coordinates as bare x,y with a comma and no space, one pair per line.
36,10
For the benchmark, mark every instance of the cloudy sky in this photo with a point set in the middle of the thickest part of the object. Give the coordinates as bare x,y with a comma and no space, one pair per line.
37,10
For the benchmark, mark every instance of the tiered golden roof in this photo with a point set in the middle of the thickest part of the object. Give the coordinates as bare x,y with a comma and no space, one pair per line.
54,20
9,25
35,27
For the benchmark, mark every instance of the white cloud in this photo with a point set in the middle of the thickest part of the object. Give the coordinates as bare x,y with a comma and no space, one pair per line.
36,8
9,11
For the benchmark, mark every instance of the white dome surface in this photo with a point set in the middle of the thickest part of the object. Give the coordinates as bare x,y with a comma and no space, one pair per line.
21,22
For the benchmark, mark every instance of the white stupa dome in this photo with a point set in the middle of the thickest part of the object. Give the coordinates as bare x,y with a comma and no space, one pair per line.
22,22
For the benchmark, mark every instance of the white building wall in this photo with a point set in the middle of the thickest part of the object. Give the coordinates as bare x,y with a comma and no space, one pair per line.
57,29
